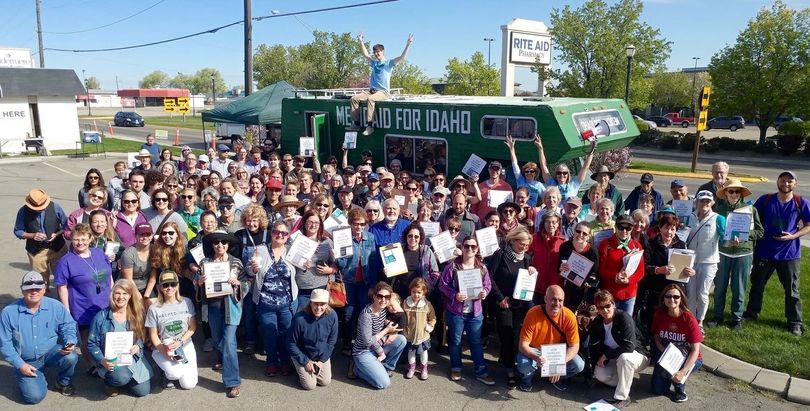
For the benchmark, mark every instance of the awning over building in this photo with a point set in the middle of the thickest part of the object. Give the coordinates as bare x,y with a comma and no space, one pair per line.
24,82
154,92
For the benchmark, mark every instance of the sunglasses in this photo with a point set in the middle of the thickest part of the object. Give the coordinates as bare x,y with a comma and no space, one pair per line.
470,247
323,205
605,307
226,207
129,201
92,177
509,211
383,296
373,211
429,175
219,242
188,197
562,173
453,229
672,296
168,233
281,233
161,199
414,236
29,283
358,224
624,227
169,285
96,196
413,188
733,191
530,171
582,232
172,185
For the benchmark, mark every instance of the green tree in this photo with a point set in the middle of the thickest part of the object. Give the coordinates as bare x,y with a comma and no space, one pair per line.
181,81
472,77
590,42
154,79
767,71
671,90
201,81
411,79
93,83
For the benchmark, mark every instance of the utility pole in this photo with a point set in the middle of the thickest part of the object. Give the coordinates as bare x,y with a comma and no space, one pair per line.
694,77
248,48
39,36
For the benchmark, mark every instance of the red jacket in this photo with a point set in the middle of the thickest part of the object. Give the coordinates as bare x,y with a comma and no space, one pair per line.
546,259
611,261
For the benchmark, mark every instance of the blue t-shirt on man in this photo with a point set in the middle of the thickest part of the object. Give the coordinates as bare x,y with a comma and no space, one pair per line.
381,74
778,217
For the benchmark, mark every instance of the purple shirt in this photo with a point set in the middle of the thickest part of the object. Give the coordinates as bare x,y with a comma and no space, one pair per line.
88,282
448,285
778,217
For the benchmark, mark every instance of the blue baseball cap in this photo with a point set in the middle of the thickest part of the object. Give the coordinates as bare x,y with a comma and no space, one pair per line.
373,176
677,183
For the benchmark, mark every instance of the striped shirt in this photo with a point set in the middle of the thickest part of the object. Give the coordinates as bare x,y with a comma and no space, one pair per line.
368,325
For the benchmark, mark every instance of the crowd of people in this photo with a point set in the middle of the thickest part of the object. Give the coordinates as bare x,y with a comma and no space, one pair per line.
203,243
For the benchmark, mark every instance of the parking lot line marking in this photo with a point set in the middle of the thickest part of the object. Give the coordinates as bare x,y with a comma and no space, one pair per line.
61,169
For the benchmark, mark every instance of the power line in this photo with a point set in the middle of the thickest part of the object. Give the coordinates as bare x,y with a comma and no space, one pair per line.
106,25
215,29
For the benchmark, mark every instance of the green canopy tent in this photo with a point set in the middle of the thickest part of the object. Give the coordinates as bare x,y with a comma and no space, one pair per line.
261,107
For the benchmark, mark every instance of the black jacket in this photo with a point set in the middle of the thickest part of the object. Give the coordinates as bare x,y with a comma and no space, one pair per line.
623,332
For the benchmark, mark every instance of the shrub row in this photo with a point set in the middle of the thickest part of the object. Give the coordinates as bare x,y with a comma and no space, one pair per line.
788,142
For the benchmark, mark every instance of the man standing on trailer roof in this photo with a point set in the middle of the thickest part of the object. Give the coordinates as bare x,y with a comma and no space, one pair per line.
379,83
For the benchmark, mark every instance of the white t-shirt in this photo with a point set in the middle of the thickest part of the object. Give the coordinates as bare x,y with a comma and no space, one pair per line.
609,341
171,320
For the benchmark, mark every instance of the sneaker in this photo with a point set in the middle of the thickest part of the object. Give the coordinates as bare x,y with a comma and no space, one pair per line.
511,380
169,385
796,329
66,390
111,391
423,373
736,326
250,349
368,131
208,346
525,388
411,371
560,385
271,370
619,404
234,392
486,379
680,396
749,315
713,323
455,375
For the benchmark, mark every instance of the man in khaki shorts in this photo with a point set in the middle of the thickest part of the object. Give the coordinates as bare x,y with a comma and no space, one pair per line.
379,83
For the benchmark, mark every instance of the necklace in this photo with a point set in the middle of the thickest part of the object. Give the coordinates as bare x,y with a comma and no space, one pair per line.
98,276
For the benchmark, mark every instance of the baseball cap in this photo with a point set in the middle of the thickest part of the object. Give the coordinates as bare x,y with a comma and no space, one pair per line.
788,173
441,190
203,158
624,220
299,158
143,229
225,200
274,183
222,147
387,176
677,183
185,148
348,170
704,195
574,200
495,164
373,176
32,280
647,178
345,189
364,168
367,153
168,277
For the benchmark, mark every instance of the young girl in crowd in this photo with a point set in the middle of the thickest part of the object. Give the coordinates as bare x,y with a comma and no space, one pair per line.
421,320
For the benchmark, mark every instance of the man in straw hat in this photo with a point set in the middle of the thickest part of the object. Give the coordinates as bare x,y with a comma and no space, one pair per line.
37,332
736,253
780,248
41,223
145,157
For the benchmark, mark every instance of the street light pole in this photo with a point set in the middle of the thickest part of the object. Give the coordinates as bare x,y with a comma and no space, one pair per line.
213,91
694,77
630,50
87,94
489,49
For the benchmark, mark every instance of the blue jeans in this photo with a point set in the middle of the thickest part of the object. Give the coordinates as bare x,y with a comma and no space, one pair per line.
33,389
224,336
626,305
122,377
374,372
249,319
275,321
356,300
471,324
661,380
527,368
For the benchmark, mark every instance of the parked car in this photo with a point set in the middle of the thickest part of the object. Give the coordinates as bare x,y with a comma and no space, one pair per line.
676,118
652,124
783,119
730,122
128,119
661,121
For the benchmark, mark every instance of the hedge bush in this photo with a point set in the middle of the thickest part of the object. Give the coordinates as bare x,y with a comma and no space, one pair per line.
688,142
807,146
642,126
768,147
670,142
795,128
789,144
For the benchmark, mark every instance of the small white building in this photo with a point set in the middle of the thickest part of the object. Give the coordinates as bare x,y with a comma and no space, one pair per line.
38,102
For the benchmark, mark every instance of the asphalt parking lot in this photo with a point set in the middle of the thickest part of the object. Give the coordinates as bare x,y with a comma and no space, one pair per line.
62,178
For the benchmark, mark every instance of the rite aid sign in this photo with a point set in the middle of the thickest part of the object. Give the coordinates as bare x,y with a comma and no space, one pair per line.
528,48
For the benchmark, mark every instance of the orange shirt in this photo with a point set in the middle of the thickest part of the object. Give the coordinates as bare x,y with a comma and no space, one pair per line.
538,331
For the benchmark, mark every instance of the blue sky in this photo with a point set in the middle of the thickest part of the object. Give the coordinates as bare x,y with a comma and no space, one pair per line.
442,29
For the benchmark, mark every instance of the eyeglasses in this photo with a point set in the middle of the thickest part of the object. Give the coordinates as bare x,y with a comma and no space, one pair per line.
129,201
413,236
383,296
361,224
187,197
281,233
439,180
92,177
733,191
582,232
562,173
322,205
624,227
287,160
209,200
605,307
509,211
29,283
226,207
96,196
453,229
529,171
470,246
219,242
171,185
169,285
168,233
373,211
161,199
672,296
313,223
413,188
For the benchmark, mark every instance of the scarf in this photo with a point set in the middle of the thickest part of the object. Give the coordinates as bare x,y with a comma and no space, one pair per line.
623,244
511,255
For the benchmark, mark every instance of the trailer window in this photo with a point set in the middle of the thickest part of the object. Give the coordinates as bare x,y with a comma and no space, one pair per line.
521,128
416,153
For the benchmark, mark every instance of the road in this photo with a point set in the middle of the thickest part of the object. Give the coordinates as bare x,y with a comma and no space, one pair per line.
62,178
750,132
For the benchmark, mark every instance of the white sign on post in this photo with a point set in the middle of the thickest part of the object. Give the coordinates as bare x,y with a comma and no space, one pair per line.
528,48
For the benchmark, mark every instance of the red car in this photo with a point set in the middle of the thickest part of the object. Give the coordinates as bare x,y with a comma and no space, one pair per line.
676,118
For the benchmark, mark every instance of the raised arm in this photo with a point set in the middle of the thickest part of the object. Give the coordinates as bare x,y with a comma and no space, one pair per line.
542,157
586,168
510,143
396,60
363,48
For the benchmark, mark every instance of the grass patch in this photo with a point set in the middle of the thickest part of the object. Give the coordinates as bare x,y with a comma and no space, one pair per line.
195,123
643,165
117,145
767,342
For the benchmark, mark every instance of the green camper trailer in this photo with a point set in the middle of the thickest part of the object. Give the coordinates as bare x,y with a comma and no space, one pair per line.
442,131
